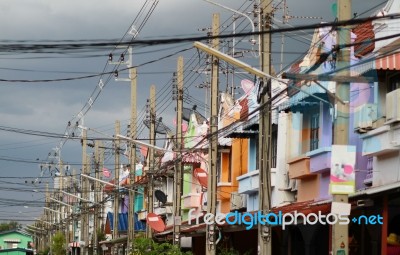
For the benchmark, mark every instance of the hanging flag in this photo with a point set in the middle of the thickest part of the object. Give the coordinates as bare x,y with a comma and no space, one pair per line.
106,172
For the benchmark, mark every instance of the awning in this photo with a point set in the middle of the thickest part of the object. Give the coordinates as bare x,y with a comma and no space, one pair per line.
305,207
391,62
12,240
245,134
377,190
123,222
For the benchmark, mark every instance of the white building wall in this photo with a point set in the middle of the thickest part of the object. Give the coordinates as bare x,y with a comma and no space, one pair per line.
386,169
280,194
386,27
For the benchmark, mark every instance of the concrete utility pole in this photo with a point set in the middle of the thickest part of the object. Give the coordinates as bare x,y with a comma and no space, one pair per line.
132,160
341,125
97,194
178,165
264,140
116,177
150,195
67,213
47,215
213,142
85,195
60,197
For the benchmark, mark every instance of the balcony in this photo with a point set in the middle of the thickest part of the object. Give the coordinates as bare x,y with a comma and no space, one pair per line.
381,141
299,167
142,215
364,117
248,183
191,200
320,160
162,209
224,189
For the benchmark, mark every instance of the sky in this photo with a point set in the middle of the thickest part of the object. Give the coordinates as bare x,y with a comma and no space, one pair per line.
48,106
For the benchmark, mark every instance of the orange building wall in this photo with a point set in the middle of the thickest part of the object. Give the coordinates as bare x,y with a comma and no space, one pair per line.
308,188
239,158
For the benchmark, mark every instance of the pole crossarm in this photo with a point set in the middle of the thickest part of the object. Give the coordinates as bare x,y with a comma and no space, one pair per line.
52,199
72,195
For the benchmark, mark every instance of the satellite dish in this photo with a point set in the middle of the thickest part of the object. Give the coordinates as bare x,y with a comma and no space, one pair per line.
247,86
155,222
160,127
186,115
160,196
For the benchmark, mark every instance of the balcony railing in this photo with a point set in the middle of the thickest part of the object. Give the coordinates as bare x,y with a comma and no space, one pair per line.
385,139
191,200
249,183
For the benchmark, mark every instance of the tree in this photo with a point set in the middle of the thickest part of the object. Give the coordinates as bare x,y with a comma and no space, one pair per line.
144,246
9,226
58,244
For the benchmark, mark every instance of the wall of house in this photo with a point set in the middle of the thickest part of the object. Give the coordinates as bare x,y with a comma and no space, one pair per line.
386,169
282,182
309,188
15,235
361,93
294,127
390,25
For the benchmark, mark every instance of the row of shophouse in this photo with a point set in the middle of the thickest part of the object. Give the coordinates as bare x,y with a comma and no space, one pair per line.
302,137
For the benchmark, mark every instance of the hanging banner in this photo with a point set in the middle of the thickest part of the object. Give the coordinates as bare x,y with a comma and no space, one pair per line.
342,169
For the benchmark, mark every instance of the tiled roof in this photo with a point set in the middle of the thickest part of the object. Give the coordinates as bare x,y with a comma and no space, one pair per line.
365,34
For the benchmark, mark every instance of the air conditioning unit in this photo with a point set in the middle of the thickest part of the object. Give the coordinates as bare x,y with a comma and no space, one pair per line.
364,117
393,106
238,201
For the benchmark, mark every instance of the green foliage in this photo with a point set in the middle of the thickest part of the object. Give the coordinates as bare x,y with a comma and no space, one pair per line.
226,251
45,251
12,225
144,246
100,235
231,251
58,244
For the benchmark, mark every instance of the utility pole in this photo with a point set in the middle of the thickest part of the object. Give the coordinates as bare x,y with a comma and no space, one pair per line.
132,160
47,215
264,140
178,165
85,195
97,193
213,142
150,198
341,124
60,197
116,177
66,213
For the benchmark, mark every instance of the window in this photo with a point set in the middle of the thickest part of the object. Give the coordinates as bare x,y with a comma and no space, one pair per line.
314,130
393,82
225,166
253,153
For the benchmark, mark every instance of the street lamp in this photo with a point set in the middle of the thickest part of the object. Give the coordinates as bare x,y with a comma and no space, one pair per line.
142,143
235,62
253,41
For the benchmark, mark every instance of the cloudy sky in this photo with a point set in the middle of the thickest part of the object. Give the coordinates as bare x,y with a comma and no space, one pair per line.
48,106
